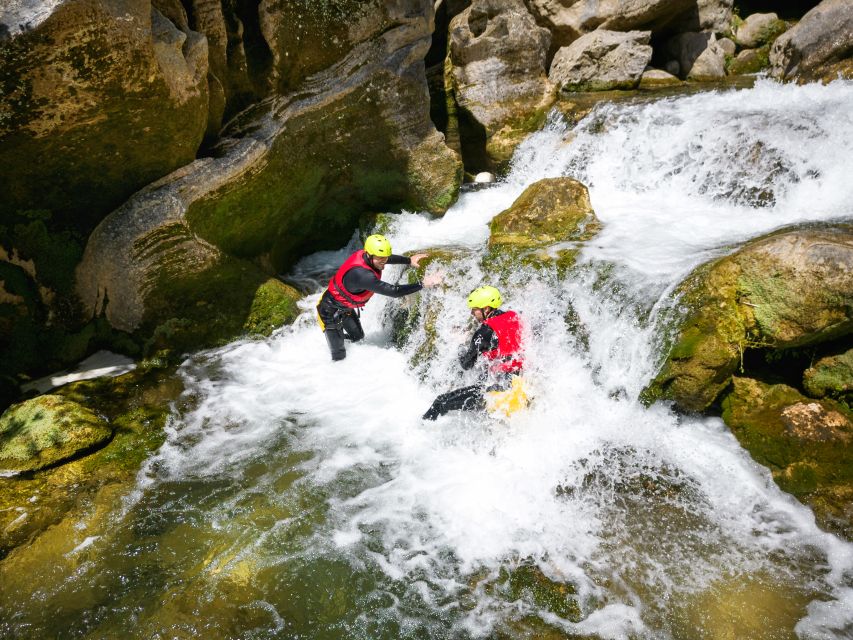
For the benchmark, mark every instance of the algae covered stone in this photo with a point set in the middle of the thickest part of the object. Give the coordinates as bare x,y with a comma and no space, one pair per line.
831,376
806,443
548,211
46,430
782,291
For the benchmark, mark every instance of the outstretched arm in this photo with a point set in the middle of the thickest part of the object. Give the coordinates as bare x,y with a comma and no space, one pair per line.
358,280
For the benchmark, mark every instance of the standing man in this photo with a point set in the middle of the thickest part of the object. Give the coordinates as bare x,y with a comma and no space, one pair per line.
357,279
498,340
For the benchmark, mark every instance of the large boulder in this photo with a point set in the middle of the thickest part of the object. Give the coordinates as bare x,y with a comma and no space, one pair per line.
705,15
568,20
759,29
819,46
499,75
806,443
601,61
99,98
786,290
550,211
45,430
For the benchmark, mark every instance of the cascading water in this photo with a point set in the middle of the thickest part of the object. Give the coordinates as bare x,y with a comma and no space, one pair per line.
298,498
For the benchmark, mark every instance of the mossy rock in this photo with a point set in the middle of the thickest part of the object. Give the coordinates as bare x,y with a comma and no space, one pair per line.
806,443
787,290
46,430
831,377
543,227
136,405
749,61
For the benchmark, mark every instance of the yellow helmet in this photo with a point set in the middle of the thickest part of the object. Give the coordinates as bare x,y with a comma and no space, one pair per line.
485,297
377,245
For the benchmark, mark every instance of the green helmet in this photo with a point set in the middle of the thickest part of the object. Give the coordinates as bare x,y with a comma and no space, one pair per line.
377,245
485,297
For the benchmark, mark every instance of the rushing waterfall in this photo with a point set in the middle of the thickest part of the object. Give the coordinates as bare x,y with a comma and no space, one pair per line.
298,498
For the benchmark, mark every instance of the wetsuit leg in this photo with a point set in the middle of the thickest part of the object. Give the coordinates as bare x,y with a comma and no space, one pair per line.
352,326
467,399
332,329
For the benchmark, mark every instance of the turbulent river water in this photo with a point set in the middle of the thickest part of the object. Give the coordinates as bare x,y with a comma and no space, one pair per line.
297,498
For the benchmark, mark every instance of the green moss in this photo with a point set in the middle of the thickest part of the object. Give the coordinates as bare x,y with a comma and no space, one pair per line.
230,299
46,430
527,582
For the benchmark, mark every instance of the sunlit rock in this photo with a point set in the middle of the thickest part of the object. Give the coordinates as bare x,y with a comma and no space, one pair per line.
759,29
602,60
806,443
653,78
45,430
100,98
135,406
570,20
704,15
749,61
831,376
785,290
497,64
818,47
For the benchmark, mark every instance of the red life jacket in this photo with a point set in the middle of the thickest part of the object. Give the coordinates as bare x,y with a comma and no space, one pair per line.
336,284
507,357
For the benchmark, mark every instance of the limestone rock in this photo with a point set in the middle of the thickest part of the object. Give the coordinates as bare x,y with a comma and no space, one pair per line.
602,60
46,430
101,98
498,56
749,61
653,78
569,20
785,290
759,29
819,46
704,15
831,376
698,54
806,444
727,45
549,211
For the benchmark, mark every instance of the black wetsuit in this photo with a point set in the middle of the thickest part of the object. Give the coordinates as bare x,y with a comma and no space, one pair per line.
471,398
342,322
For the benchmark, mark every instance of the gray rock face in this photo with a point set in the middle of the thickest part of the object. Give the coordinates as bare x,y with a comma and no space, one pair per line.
602,60
821,39
570,19
498,55
698,54
755,30
705,15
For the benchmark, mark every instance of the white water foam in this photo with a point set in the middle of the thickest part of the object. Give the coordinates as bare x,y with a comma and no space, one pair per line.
634,507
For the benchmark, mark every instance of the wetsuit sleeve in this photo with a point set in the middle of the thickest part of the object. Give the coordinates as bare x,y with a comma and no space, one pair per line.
484,339
359,280
395,259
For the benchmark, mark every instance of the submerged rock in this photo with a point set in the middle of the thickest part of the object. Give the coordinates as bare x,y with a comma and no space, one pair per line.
602,60
45,430
820,46
807,444
786,290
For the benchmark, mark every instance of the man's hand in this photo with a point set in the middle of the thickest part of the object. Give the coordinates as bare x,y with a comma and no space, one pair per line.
416,259
433,279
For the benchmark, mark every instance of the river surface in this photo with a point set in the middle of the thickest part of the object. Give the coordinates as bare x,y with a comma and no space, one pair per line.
297,498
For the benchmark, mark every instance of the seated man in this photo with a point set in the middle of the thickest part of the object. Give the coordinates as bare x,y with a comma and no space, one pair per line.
498,340
356,280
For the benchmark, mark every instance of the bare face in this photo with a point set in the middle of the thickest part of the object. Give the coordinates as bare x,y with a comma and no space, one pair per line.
379,261
480,314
